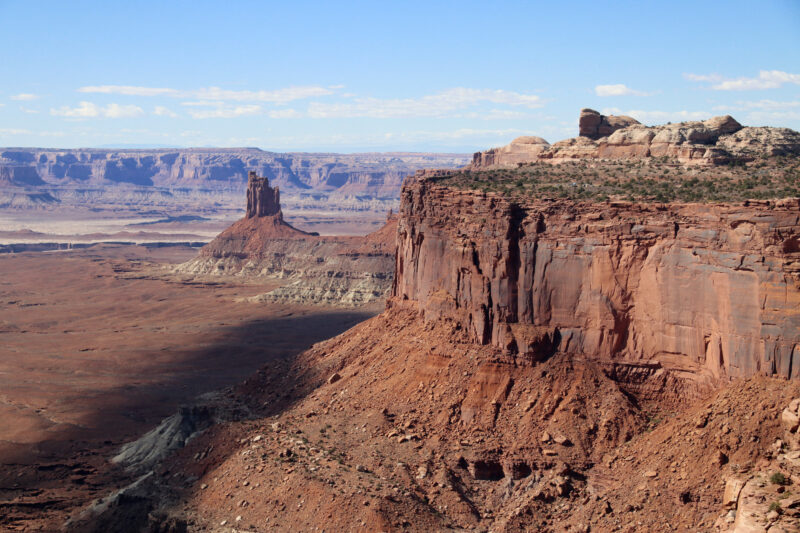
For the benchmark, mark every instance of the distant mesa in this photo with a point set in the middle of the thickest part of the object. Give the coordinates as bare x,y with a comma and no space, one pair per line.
716,141
376,174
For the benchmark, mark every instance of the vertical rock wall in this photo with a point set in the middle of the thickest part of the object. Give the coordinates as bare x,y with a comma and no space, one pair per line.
709,291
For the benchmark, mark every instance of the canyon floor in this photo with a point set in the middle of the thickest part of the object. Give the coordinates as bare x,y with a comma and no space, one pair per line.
95,350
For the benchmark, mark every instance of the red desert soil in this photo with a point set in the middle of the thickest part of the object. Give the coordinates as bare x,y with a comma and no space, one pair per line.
397,427
94,352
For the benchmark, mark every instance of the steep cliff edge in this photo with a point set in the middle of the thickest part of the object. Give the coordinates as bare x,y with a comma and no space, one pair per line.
342,271
705,292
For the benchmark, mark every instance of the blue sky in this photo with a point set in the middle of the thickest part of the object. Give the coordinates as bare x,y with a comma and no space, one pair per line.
369,76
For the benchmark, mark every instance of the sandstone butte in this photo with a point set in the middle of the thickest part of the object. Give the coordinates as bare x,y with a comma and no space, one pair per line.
342,271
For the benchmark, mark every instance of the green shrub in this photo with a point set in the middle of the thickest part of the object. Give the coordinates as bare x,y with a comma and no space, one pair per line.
778,479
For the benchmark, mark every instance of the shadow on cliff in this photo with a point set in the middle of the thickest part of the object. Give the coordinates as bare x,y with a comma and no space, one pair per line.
76,456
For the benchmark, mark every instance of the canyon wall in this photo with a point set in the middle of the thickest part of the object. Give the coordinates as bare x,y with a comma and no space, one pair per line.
377,174
707,291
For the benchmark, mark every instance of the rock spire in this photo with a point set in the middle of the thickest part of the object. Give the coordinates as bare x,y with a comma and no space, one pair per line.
262,200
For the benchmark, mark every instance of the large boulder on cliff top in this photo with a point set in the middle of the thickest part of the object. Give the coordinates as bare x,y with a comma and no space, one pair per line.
593,125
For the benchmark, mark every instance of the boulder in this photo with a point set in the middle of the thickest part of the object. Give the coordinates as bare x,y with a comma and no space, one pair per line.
593,125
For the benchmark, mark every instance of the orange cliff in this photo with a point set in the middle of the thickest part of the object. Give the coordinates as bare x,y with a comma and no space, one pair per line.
703,292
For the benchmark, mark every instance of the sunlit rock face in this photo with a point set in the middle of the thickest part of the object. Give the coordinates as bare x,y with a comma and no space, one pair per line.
708,291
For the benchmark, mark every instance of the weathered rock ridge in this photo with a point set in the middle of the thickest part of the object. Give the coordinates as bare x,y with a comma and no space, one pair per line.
718,140
705,291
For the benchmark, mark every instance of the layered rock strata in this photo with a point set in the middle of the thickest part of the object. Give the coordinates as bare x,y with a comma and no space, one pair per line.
706,291
377,174
716,141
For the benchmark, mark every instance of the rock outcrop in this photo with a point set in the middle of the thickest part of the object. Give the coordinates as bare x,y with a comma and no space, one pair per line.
593,125
706,292
521,150
716,141
262,200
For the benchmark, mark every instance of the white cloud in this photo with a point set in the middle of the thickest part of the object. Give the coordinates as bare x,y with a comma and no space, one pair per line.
122,111
28,110
619,89
441,104
91,110
658,117
284,113
162,111
227,112
766,79
711,78
760,104
129,90
279,96
772,117
12,131
24,97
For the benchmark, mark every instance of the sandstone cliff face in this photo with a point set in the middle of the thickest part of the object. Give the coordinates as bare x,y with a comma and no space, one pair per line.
718,140
705,291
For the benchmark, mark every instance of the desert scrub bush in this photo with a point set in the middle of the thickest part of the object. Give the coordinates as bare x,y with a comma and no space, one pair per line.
778,479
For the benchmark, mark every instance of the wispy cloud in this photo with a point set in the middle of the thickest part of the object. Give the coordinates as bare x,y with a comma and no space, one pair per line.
161,111
759,104
91,110
618,89
28,110
658,117
766,79
25,97
441,104
12,131
278,96
224,111
284,113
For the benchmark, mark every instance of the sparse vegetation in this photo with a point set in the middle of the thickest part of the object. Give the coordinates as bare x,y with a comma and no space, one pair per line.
778,479
660,180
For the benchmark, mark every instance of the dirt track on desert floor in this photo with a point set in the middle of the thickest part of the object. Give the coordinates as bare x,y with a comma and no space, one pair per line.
95,350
